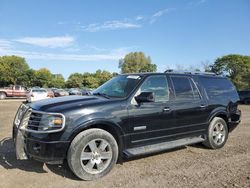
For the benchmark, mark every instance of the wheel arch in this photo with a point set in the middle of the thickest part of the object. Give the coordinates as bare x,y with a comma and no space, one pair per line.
220,114
4,93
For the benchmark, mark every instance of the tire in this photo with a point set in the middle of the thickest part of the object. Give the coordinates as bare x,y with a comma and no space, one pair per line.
2,96
92,154
217,134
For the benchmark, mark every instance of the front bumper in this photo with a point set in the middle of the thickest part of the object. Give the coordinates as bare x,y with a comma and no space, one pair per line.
53,152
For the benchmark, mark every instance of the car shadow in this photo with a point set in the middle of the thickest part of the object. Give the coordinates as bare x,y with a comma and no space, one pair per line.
8,161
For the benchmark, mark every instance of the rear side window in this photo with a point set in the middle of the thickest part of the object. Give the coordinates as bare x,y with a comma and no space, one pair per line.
184,88
218,87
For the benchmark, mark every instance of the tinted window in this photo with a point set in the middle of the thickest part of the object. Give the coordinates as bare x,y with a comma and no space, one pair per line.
218,87
158,85
17,87
195,90
184,88
244,92
39,91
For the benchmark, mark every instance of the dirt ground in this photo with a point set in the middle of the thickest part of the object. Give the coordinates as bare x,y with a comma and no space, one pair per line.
192,166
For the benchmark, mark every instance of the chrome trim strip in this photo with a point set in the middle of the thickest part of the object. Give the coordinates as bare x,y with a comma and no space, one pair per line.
140,128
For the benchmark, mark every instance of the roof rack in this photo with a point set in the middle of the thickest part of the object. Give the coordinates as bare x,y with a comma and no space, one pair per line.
189,72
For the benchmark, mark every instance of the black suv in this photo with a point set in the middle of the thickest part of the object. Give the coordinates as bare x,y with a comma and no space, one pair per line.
130,115
244,96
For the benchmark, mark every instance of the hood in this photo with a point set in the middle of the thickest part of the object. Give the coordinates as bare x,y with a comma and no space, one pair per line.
60,104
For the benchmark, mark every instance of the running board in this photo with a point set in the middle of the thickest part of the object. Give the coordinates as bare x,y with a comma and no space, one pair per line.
143,150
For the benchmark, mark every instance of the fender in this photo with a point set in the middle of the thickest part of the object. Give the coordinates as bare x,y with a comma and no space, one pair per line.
95,123
218,112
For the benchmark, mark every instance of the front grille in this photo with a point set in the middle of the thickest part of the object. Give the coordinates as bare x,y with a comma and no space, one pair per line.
34,121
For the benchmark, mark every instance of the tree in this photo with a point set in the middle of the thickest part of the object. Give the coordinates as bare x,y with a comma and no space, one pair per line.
57,81
43,78
135,62
236,67
29,78
13,69
102,76
75,80
90,81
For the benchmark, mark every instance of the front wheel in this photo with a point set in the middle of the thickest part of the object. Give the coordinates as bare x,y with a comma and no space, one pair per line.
92,154
217,134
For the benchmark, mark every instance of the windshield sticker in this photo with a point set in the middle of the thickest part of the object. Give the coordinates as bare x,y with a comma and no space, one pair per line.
134,77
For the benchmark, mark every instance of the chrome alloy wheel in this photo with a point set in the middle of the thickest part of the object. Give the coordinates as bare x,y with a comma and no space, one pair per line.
96,156
219,133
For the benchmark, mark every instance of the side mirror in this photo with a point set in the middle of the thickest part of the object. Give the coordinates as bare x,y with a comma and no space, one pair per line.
145,97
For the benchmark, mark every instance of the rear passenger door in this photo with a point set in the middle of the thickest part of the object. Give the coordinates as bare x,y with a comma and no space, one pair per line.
189,106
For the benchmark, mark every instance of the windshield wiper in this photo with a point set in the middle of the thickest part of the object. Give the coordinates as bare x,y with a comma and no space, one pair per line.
102,94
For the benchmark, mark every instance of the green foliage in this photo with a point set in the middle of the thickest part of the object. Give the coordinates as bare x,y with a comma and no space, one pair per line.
236,67
29,79
88,80
13,69
43,78
57,81
102,76
136,62
75,80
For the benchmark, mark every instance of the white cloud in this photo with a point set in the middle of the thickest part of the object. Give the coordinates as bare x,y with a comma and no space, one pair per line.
159,14
68,57
5,44
110,25
51,42
6,48
138,18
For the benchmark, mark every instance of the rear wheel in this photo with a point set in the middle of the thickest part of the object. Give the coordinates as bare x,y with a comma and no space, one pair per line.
92,154
217,133
2,96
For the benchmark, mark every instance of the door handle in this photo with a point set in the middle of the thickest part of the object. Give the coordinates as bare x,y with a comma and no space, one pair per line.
166,109
202,106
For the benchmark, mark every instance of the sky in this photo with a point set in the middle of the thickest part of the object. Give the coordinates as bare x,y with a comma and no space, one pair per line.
83,36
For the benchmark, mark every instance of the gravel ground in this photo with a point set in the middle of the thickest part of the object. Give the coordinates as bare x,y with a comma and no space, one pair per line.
192,166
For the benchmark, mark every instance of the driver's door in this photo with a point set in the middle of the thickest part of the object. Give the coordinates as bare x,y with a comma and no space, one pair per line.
149,120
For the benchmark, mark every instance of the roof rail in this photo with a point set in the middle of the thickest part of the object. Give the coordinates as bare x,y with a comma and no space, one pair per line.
189,72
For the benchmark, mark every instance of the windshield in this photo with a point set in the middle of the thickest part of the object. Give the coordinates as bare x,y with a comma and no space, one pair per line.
119,86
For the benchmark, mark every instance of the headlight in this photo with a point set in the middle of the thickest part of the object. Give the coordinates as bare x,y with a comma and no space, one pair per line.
51,122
